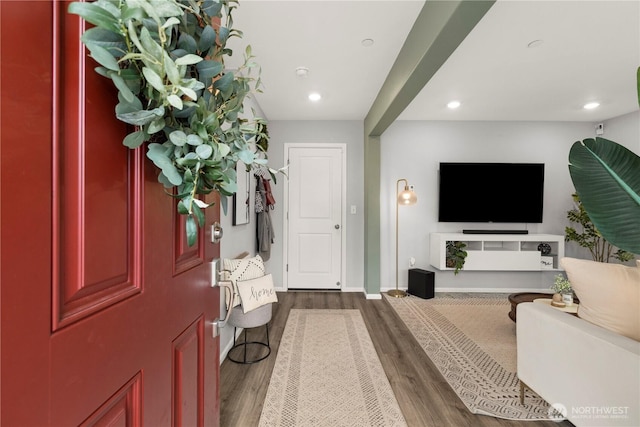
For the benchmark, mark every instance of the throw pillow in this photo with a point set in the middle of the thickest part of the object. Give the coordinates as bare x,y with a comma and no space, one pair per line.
242,269
609,294
255,293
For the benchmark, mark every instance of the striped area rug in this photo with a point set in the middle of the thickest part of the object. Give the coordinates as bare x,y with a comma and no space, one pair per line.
472,342
327,373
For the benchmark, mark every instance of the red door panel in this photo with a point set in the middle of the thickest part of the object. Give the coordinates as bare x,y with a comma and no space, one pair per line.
106,312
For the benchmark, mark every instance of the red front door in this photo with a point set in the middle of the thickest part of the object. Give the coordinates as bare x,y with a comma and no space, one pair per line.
106,313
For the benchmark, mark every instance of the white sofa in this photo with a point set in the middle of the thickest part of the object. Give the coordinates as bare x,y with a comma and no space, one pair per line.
592,372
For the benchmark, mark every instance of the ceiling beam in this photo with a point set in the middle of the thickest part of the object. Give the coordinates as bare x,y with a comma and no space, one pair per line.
439,29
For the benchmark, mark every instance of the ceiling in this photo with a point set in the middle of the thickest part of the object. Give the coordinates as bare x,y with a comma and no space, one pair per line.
586,51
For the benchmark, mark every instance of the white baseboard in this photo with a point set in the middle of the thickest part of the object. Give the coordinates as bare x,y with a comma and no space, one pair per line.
227,349
482,290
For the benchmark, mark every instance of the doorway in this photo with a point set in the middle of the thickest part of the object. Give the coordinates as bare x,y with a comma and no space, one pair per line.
315,201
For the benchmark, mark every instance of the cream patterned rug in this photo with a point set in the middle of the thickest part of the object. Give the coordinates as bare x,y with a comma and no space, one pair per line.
472,342
327,373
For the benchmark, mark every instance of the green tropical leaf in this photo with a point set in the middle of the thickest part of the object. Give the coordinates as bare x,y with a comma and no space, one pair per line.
606,176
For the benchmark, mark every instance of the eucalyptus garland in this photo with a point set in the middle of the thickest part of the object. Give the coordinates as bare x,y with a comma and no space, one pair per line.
166,59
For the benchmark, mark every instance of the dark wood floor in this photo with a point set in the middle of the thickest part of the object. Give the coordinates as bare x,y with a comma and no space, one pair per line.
422,393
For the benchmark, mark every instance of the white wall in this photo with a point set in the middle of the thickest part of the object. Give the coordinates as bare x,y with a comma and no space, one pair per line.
625,130
413,150
241,238
350,133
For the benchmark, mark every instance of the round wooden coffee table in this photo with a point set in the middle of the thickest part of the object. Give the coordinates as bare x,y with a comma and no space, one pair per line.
516,299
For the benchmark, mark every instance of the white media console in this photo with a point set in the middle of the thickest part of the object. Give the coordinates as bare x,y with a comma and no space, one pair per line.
499,252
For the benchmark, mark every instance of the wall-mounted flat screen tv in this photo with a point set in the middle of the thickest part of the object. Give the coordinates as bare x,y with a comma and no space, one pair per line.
491,192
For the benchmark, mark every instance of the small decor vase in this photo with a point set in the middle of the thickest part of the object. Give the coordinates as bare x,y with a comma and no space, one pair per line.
556,300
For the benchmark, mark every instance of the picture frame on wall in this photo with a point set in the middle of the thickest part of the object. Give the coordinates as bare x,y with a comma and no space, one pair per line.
241,199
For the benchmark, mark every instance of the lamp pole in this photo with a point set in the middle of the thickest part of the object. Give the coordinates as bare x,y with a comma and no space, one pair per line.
407,197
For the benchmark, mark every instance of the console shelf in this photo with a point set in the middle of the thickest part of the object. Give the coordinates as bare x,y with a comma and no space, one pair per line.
499,252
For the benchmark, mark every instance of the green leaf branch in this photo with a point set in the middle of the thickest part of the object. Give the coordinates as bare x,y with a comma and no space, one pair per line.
166,60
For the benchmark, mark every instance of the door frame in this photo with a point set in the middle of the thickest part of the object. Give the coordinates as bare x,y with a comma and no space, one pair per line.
343,215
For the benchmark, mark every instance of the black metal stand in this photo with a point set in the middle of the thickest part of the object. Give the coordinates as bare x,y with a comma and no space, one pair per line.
245,344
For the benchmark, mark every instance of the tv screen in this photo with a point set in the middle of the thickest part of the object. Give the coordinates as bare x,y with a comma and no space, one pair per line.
491,192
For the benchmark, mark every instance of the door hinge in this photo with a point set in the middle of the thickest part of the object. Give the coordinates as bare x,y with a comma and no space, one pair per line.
287,268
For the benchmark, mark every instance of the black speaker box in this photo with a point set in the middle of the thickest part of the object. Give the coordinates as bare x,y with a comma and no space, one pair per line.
421,283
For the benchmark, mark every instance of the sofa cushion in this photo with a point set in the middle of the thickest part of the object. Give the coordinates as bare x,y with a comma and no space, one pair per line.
242,269
609,294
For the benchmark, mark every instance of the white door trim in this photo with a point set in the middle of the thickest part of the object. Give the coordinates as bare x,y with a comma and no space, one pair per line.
343,215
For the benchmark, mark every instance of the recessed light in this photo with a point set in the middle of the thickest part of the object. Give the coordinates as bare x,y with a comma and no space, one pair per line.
367,42
302,71
315,96
591,105
453,105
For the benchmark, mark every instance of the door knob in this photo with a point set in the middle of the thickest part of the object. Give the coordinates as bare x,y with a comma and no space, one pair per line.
216,232
337,226
221,323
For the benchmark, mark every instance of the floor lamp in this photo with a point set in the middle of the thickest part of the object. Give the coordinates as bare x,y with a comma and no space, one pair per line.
406,197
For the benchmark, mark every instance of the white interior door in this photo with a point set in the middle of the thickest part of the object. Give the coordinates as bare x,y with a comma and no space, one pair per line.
315,217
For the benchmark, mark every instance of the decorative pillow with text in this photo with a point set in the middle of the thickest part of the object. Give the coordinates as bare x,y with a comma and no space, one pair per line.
242,269
257,292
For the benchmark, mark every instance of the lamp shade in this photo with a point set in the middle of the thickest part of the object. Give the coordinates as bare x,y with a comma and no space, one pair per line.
407,197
